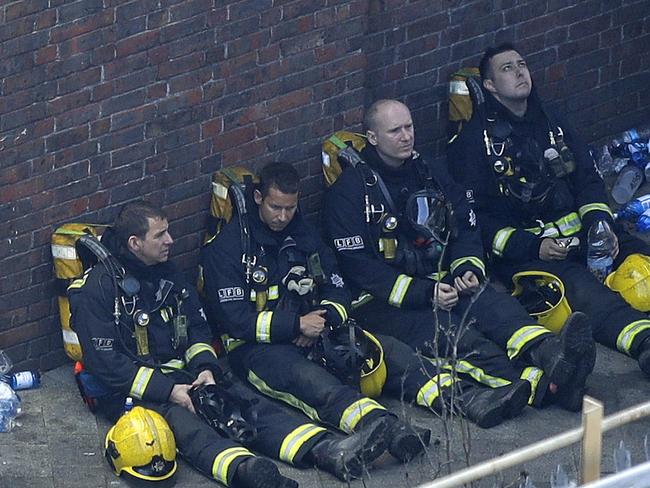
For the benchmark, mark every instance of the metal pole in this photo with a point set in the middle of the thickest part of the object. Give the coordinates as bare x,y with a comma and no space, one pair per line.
592,440
535,450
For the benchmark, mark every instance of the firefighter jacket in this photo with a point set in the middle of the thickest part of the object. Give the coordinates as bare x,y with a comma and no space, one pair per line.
269,312
512,227
109,351
354,211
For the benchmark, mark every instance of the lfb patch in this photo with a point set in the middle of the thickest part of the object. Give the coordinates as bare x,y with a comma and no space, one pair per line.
348,243
230,294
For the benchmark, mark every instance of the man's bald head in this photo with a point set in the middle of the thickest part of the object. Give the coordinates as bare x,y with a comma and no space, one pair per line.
375,110
389,128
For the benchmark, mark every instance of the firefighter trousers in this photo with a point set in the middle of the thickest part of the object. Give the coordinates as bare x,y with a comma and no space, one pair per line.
281,434
448,336
283,372
614,322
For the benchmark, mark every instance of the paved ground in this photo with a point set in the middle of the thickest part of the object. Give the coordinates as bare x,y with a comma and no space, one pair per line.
58,443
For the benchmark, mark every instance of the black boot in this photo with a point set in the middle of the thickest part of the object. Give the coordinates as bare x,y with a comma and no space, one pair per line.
348,457
569,357
257,472
488,407
643,356
406,441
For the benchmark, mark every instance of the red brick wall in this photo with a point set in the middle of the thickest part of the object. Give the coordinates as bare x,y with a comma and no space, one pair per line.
123,99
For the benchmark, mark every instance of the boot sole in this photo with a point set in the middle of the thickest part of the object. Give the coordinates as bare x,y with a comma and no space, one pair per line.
265,474
374,444
411,445
578,354
517,400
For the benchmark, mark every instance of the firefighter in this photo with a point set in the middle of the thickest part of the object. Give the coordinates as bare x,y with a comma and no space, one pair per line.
273,314
144,335
537,194
409,244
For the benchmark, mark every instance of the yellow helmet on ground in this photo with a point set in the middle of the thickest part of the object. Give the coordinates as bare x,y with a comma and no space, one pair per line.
542,295
142,445
631,280
352,355
373,370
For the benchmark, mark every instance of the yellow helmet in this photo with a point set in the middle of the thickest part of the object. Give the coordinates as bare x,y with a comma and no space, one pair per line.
142,445
373,370
631,280
542,295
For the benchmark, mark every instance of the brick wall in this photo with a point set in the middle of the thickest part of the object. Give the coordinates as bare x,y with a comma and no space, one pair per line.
102,101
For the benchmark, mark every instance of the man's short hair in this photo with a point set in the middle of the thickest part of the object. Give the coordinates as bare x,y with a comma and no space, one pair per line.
370,117
133,219
280,175
484,65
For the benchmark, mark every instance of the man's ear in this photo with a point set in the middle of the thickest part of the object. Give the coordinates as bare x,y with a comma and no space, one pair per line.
372,137
488,84
133,243
257,195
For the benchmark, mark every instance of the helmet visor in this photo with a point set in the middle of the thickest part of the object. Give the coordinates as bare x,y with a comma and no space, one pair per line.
427,214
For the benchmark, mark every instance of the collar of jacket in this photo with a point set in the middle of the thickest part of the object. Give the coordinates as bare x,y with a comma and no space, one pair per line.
388,173
534,112
263,235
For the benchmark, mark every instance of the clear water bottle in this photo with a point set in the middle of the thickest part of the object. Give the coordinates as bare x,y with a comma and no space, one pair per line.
605,165
10,407
634,208
600,248
629,180
643,224
23,380
5,363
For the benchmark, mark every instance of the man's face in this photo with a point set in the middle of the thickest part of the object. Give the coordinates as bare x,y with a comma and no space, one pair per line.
509,78
155,246
393,135
276,208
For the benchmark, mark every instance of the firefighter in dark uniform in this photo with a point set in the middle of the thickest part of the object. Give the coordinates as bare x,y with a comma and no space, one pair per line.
269,338
535,189
160,321
410,247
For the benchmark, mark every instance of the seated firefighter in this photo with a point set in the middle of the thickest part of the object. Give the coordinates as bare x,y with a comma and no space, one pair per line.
537,194
409,246
143,335
283,307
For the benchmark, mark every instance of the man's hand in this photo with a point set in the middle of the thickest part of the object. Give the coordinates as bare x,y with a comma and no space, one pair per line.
445,296
549,250
303,341
180,396
312,324
205,377
467,284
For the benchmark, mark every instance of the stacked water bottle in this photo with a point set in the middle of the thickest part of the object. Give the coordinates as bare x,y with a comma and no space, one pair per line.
10,405
629,157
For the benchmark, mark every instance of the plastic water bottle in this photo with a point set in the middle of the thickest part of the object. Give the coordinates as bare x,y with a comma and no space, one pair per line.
605,164
10,407
629,180
128,404
634,208
600,246
23,380
643,223
5,363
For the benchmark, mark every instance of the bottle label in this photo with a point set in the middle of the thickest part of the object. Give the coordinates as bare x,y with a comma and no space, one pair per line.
24,380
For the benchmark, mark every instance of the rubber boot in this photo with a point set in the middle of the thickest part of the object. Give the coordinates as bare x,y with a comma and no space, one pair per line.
487,407
406,441
569,357
348,457
644,356
257,472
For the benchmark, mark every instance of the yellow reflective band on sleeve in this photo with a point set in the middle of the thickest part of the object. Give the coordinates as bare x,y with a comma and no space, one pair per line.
628,334
501,239
78,283
272,293
173,363
263,327
399,290
198,348
431,389
224,459
140,382
339,308
532,374
473,260
569,224
164,313
590,207
522,337
296,439
356,412
287,398
477,373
